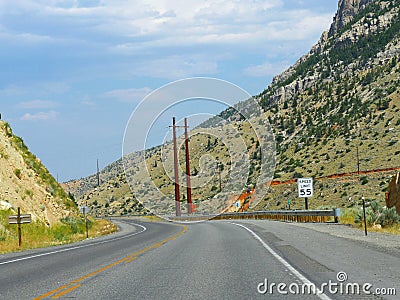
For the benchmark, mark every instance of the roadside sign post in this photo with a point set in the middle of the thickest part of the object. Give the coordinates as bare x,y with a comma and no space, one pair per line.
19,219
365,217
85,216
306,189
85,210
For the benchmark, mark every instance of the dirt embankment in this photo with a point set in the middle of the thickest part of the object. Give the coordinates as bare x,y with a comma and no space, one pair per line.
26,183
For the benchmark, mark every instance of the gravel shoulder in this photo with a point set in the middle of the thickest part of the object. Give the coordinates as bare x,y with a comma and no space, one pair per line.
383,241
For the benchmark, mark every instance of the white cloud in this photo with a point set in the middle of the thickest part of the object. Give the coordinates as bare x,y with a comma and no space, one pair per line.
155,31
172,22
266,69
128,95
37,104
40,116
177,66
297,25
46,87
164,38
12,90
88,103
24,37
54,87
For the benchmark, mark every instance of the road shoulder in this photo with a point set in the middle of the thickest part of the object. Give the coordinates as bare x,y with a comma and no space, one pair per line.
124,228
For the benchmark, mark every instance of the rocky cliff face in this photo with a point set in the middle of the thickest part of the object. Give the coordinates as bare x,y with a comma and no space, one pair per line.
347,9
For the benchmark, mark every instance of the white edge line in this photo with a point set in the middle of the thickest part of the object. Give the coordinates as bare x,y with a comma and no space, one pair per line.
76,247
284,262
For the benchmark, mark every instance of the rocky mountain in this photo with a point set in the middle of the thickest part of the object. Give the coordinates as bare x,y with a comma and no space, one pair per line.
26,183
347,9
334,113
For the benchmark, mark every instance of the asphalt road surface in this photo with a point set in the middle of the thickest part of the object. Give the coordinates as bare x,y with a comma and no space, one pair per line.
210,260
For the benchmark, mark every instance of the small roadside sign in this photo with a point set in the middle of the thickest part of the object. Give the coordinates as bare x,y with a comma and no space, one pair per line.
84,209
23,219
19,219
305,187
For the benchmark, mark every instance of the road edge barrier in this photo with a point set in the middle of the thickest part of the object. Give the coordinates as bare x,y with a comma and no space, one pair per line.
303,216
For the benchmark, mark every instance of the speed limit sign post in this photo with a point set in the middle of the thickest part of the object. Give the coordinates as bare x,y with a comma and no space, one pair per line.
306,189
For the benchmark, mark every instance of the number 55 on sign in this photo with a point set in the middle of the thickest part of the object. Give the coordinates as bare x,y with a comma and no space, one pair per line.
305,186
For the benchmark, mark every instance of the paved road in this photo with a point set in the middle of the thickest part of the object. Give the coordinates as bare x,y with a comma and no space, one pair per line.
212,260
321,251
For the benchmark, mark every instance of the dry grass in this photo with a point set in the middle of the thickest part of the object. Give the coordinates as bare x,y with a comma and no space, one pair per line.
102,227
347,217
392,229
37,235
148,218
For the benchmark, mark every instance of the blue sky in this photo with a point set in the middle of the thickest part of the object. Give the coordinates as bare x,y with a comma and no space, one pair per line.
73,71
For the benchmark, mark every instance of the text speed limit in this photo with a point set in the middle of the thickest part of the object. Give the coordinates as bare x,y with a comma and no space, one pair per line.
305,186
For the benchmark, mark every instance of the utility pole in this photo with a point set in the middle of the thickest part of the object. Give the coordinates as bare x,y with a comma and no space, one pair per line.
358,162
176,173
219,166
189,188
365,217
85,217
98,174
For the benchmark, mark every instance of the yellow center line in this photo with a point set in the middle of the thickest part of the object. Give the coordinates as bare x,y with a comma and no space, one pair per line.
65,289
52,292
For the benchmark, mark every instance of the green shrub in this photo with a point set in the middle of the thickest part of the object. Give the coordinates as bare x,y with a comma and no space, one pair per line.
389,217
29,193
60,232
364,180
377,214
3,154
76,225
18,173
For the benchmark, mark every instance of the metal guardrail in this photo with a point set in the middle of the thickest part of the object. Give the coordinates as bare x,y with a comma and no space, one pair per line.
317,216
304,216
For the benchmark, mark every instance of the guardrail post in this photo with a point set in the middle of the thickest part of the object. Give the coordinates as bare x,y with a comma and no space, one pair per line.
336,213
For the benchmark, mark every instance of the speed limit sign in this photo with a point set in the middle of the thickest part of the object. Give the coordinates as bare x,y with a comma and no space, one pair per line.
305,186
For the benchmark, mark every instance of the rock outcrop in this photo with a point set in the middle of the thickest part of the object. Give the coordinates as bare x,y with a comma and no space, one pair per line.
347,9
393,193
